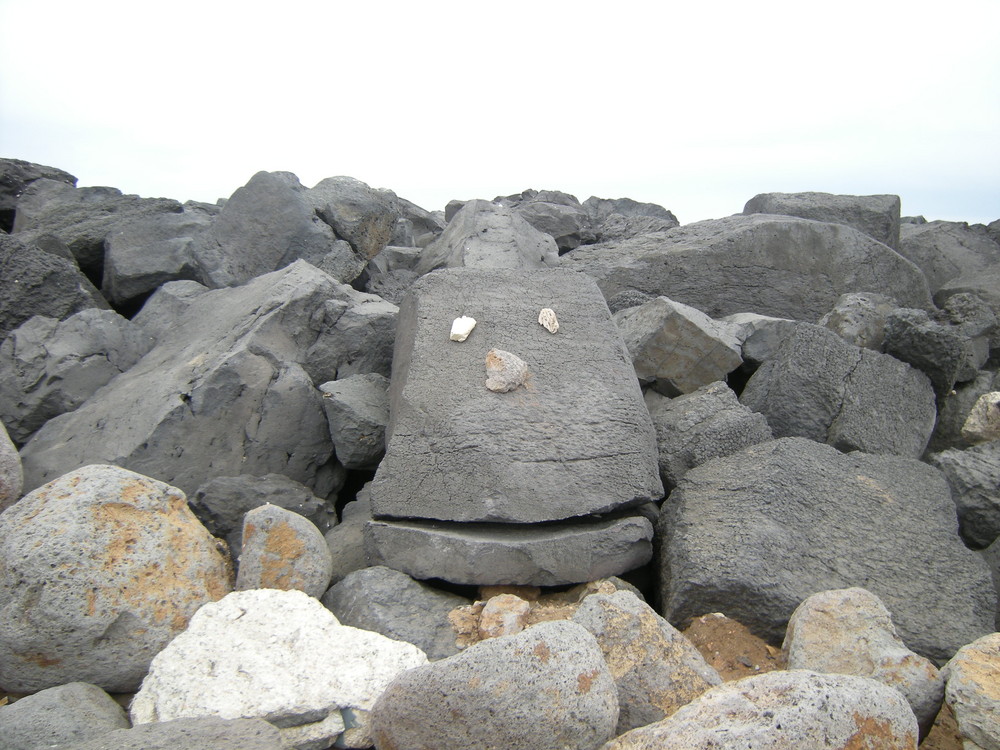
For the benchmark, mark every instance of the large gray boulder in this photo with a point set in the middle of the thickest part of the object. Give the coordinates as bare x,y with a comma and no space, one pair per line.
49,367
70,713
160,313
35,282
942,351
99,570
229,389
753,534
362,216
189,734
859,319
874,215
974,477
357,410
545,688
485,235
947,250
15,176
393,604
781,266
558,214
575,440
816,385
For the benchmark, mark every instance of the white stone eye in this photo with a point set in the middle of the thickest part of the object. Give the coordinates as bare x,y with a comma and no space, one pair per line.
462,327
547,318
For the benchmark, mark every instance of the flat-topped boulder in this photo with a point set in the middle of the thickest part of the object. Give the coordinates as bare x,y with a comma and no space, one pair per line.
875,215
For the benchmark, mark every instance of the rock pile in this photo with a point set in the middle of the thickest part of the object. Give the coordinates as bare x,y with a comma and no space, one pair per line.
785,417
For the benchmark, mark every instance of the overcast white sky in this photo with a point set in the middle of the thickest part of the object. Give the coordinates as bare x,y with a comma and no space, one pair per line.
695,106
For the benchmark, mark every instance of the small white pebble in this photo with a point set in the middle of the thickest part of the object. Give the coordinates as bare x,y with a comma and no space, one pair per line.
547,318
462,327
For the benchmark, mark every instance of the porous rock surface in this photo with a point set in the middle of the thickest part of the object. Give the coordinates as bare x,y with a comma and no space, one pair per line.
283,550
973,692
189,734
99,570
11,476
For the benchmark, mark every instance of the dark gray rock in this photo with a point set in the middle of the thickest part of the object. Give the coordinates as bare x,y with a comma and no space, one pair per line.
544,688
346,540
357,410
161,312
221,502
267,224
753,534
576,440
874,215
49,367
973,316
523,555
558,214
15,176
943,352
820,387
947,250
425,224
974,477
11,475
70,713
954,408
35,282
760,335
190,734
146,253
859,319
282,550
485,235
983,284
359,214
600,209
229,389
708,423
393,604
390,274
780,266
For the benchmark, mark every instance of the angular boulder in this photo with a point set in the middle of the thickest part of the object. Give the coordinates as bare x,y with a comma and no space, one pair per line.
941,351
859,319
99,570
546,687
15,176
974,477
559,215
65,714
753,534
816,385
947,250
357,410
362,216
282,550
773,265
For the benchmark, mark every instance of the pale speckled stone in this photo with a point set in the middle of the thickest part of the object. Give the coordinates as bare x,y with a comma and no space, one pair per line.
503,614
973,692
11,476
547,319
504,371
983,422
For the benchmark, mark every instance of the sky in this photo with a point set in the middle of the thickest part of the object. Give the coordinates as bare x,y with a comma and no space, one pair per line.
694,106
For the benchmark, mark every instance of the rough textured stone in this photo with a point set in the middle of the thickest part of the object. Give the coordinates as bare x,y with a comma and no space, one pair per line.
11,476
359,214
166,306
505,371
859,319
849,631
49,367
70,713
707,423
940,351
820,387
15,176
784,711
983,423
954,409
558,214
228,390
780,266
190,734
947,250
35,282
974,477
393,604
485,554
546,687
346,540
656,669
875,215
760,335
357,410
283,550
602,209
676,346
277,655
973,692
485,235
503,614
992,556
984,284
753,534
99,570
556,448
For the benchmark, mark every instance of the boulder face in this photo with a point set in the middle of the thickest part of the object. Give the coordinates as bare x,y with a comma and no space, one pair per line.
15,176
99,570
60,716
576,439
753,534
874,215
773,265
948,250
228,390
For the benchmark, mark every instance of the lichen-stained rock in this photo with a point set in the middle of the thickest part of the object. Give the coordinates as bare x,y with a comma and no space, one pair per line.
774,265
280,656
849,631
505,371
99,570
973,692
485,235
49,367
283,550
576,439
11,475
875,215
656,669
816,385
784,710
357,410
229,388
70,713
753,534
545,688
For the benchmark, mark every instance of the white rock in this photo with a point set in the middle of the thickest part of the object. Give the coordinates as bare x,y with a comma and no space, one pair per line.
277,655
504,371
462,327
547,319
983,423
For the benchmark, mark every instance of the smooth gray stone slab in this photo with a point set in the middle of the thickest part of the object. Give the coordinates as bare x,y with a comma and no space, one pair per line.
576,439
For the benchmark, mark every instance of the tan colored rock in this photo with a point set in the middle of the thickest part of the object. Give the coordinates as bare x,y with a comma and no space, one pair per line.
504,614
504,371
973,692
983,422
283,550
850,631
